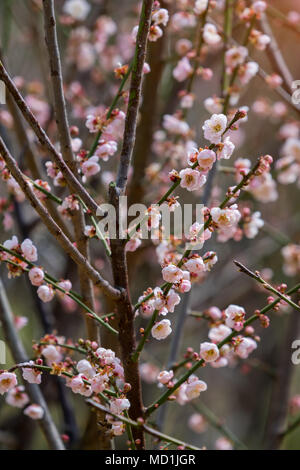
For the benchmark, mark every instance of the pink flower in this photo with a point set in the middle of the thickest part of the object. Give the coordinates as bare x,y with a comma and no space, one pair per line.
161,330
194,387
20,322
78,385
173,299
191,179
215,127
182,70
222,443
8,380
45,293
209,352
36,276
244,347
172,273
91,166
17,397
51,354
118,405
106,149
225,149
85,367
210,34
29,250
11,244
235,317
175,125
78,9
33,376
161,16
218,333
206,159
99,382
195,265
197,423
34,411
165,376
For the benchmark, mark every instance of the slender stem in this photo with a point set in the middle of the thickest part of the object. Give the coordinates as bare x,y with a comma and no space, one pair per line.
19,355
215,422
110,110
267,286
146,428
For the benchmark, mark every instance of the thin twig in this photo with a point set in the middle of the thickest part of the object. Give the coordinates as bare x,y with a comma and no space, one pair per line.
19,354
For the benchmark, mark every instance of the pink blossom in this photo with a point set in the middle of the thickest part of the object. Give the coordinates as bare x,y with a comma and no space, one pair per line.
36,276
191,179
219,333
194,387
17,397
33,376
206,159
29,250
8,380
45,293
91,166
51,354
235,317
165,376
161,330
182,70
209,352
215,127
34,411
84,367
197,423
172,273
78,385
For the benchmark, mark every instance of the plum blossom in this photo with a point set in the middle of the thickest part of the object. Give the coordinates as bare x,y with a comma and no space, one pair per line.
118,405
91,166
191,179
172,300
161,16
210,34
244,347
78,9
172,273
235,56
33,376
200,6
165,376
227,217
51,354
34,411
17,397
85,368
215,127
219,333
29,250
252,226
195,265
235,317
197,423
161,330
225,149
194,387
182,70
45,293
222,443
206,159
78,385
175,125
11,244
8,380
36,276
209,352
291,256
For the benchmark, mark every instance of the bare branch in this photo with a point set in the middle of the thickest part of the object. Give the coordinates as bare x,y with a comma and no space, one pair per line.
54,228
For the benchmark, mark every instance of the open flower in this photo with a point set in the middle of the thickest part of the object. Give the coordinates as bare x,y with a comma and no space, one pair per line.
209,352
34,411
8,380
235,317
191,179
215,127
161,330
